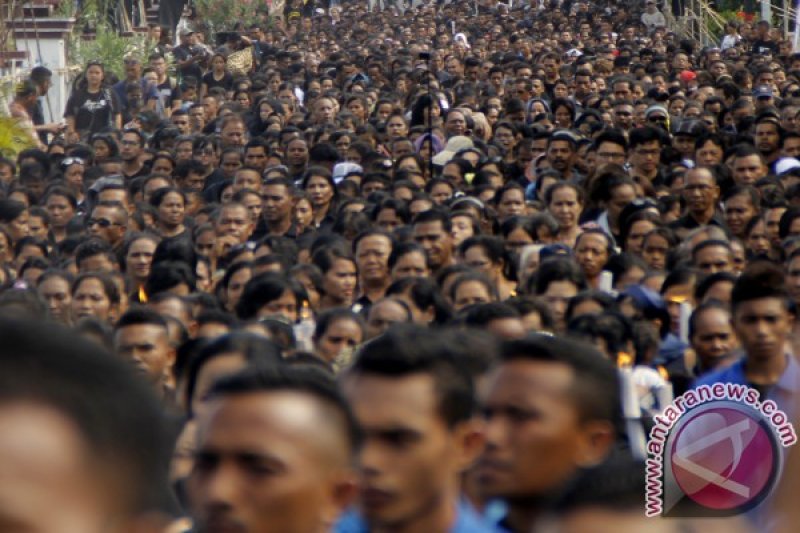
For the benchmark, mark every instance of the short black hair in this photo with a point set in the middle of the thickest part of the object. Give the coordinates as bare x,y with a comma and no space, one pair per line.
49,365
595,389
139,315
407,349
293,378
761,279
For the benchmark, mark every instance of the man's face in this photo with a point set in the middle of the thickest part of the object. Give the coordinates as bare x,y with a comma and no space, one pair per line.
623,116
130,147
246,179
105,224
159,66
713,337
437,242
256,157
713,259
791,147
767,138
408,457
372,257
561,155
748,170
183,123
277,203
297,153
583,86
233,134
534,435
622,91
268,462
234,220
763,327
48,465
147,347
455,124
645,156
700,190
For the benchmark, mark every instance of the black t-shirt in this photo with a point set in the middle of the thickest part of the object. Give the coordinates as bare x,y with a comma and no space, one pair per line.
182,53
226,82
761,47
167,93
92,111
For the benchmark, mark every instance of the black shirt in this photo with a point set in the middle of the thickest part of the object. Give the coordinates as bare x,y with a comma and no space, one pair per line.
92,112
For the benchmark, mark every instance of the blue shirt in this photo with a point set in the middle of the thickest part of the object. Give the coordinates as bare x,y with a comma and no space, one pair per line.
467,521
784,392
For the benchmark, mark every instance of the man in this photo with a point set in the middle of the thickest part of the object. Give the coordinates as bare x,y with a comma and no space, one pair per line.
562,151
133,75
71,446
432,230
712,256
763,323
748,165
233,132
552,410
109,222
712,337
180,119
96,255
790,145
768,139
42,77
652,18
189,57
141,336
297,157
372,249
274,454
455,123
277,196
234,220
168,91
256,154
623,115
701,193
644,154
610,147
415,406
130,150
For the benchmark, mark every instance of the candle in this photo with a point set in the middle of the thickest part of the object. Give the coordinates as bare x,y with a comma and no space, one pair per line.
683,320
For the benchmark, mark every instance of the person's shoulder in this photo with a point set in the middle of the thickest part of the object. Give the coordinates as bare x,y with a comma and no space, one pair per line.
730,374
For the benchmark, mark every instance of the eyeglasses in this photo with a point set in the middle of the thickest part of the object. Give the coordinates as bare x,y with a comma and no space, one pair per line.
67,161
102,222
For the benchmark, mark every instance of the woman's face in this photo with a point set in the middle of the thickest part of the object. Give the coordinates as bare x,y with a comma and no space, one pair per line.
303,212
410,265
243,99
565,207
441,193
654,251
183,151
640,228
319,191
171,210
218,63
512,203
264,111
139,259
563,117
90,300
470,293
162,166
60,210
235,287
19,227
101,150
94,75
74,176
285,306
476,258
339,282
340,335
461,229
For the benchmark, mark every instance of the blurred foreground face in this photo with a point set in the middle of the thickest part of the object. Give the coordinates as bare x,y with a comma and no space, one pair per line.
49,482
266,462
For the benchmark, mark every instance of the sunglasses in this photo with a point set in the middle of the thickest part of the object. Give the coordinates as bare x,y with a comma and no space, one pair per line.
102,222
67,161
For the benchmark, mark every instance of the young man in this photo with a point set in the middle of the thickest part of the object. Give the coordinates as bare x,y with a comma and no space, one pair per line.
552,410
415,406
141,336
274,454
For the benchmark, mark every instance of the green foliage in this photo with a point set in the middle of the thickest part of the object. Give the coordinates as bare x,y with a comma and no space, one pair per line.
109,48
223,15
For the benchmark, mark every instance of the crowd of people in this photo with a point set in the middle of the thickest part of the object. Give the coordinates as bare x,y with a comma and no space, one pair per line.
391,270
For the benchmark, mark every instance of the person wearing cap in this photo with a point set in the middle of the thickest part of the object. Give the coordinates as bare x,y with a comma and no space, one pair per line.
189,57
657,116
683,140
763,97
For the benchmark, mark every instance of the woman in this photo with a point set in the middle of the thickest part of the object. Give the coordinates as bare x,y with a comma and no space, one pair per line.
303,212
95,295
656,246
163,164
104,147
218,76
61,206
593,248
565,202
472,289
408,260
54,288
487,255
269,295
563,112
92,107
170,203
318,184
338,331
231,287
440,191
339,277
463,225
137,253
423,297
14,217
509,201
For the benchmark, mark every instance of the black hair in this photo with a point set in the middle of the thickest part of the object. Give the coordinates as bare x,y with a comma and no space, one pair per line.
761,279
263,289
425,294
166,275
407,350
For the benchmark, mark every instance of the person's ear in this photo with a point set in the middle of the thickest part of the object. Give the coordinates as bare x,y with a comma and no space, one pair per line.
470,440
594,443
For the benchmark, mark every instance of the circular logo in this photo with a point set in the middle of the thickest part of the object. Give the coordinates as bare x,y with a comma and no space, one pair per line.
725,457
